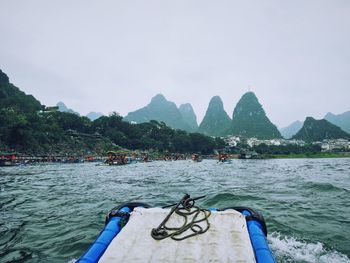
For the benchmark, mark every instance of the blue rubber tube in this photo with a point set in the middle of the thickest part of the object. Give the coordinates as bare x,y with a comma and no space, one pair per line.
261,248
96,250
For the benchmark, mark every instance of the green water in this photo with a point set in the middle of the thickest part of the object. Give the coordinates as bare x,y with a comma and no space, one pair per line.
51,213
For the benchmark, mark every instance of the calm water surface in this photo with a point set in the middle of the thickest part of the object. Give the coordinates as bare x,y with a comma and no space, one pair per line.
51,213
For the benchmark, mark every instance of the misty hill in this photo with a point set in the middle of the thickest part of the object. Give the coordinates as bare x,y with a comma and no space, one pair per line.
91,115
189,116
11,96
342,120
63,108
249,119
94,115
26,129
292,129
318,130
216,122
159,109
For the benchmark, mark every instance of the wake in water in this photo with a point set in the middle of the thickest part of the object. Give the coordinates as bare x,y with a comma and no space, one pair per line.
289,249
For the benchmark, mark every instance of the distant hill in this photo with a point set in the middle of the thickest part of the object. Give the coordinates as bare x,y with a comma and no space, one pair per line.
26,128
91,115
249,119
159,109
63,108
11,96
189,116
292,129
342,120
94,115
318,130
216,122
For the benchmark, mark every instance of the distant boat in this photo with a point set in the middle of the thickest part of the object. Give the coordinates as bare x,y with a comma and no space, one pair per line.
8,163
223,158
119,158
8,159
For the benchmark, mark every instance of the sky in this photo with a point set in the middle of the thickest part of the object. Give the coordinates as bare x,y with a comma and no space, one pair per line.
116,55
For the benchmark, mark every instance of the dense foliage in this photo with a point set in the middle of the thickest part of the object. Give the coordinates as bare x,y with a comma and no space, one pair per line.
286,149
11,96
154,135
249,119
32,132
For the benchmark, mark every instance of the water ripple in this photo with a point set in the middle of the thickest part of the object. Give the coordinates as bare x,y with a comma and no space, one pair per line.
51,213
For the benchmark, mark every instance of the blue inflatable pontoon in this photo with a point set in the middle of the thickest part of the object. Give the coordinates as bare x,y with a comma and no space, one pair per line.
117,240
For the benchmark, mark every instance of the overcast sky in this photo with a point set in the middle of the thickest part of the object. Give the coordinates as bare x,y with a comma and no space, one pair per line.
116,55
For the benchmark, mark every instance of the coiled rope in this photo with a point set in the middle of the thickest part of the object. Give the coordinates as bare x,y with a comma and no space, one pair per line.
184,208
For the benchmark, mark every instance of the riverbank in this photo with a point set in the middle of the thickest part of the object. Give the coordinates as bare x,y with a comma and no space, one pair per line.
14,159
307,155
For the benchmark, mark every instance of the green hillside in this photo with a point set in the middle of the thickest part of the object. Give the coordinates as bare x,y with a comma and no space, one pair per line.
249,119
318,130
216,122
162,110
341,120
12,97
189,116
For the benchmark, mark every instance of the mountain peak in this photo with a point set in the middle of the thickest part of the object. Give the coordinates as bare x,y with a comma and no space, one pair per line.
159,109
318,130
216,122
329,115
216,99
309,120
249,119
216,102
186,107
4,79
342,120
94,115
189,116
159,98
249,95
63,108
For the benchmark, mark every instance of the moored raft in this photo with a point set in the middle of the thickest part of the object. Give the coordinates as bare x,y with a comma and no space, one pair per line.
234,234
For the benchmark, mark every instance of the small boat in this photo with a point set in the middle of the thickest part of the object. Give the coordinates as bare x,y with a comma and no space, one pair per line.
8,159
196,158
115,158
137,232
8,163
224,158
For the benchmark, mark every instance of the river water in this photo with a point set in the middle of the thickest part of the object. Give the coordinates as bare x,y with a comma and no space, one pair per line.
51,213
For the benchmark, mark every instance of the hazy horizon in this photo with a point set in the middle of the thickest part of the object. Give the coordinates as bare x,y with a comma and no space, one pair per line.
115,55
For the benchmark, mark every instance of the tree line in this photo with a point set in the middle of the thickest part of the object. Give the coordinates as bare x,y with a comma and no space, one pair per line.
39,131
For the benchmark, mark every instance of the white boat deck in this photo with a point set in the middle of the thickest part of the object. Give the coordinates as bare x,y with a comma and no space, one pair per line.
227,240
